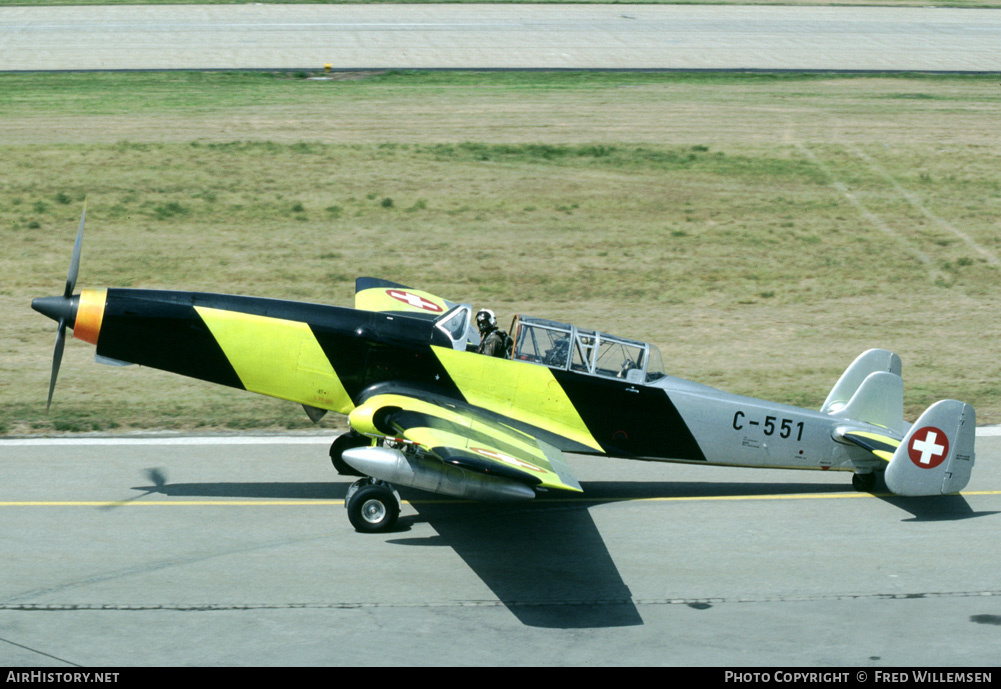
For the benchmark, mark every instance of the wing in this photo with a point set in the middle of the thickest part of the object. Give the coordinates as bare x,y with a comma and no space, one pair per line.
373,294
461,436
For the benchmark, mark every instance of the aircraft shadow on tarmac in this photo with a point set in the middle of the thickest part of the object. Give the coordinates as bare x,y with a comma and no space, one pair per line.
935,509
544,560
594,491
941,508
547,563
929,509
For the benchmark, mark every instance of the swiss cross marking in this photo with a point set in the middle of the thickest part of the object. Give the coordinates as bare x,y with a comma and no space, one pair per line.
928,447
414,300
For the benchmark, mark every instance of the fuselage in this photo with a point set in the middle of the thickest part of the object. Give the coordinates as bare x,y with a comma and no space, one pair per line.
335,358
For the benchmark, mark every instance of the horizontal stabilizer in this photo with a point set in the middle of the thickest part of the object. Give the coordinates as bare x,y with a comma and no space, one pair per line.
883,446
936,456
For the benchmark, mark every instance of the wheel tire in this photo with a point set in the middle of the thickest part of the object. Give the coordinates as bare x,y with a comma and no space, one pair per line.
373,508
346,442
864,483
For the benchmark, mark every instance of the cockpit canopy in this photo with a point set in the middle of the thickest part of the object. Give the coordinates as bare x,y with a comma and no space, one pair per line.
564,346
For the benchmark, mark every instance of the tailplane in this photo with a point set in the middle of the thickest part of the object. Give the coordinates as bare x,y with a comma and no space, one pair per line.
936,456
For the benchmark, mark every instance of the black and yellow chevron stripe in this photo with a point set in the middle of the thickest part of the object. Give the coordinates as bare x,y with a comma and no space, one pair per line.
336,358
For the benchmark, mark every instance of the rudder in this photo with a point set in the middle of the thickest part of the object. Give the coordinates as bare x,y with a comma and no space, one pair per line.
868,362
870,390
937,454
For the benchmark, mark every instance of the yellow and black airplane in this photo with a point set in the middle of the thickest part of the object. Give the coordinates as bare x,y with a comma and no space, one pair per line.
427,411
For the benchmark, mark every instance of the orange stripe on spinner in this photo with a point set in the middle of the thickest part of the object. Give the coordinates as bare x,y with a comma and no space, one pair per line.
90,315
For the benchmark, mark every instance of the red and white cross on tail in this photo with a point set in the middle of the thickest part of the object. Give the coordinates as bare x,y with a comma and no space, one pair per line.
928,447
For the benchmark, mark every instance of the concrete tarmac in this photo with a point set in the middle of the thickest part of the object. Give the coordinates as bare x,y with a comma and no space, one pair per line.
511,36
217,551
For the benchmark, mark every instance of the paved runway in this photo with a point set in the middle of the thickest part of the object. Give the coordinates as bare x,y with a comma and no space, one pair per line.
201,553
499,36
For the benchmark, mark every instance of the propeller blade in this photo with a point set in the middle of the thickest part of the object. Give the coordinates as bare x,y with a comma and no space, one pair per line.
57,358
75,261
62,308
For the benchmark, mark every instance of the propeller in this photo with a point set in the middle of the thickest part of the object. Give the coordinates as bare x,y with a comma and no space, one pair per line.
63,309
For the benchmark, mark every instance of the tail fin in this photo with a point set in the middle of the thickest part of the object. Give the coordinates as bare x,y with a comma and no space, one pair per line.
936,456
870,390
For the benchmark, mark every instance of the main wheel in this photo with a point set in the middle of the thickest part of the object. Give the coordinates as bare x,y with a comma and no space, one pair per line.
864,483
344,442
373,507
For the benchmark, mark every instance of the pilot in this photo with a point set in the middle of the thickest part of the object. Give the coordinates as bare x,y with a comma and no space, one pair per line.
493,341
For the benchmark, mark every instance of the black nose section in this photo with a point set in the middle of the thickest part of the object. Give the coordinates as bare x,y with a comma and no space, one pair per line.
58,308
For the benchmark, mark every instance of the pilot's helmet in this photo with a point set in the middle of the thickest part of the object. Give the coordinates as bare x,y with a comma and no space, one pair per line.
485,319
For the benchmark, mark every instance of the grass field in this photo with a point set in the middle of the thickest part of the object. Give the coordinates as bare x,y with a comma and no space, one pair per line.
761,229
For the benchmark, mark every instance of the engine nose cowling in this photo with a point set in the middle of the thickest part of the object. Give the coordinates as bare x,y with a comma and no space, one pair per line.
83,312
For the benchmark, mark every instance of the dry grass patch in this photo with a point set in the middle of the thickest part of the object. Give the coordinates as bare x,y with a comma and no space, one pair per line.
761,257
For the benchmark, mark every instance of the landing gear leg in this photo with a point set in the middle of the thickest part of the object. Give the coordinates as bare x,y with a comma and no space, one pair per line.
864,483
373,506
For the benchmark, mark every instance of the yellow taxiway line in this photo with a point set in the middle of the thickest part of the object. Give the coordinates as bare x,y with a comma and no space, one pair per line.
328,503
